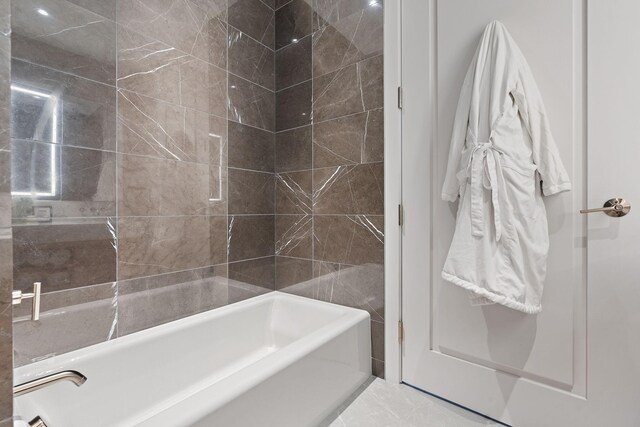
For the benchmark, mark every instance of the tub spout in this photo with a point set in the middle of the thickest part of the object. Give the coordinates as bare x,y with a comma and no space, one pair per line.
74,376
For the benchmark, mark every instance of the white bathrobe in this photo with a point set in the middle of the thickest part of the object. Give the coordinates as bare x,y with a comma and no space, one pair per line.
501,150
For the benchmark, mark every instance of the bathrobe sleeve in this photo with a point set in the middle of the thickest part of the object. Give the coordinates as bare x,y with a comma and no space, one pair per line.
451,186
545,152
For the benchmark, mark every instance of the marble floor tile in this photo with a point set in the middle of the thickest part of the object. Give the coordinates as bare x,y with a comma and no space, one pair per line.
382,404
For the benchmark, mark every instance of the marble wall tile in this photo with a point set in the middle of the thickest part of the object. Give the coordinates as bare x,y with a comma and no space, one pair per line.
257,272
218,173
293,22
349,140
155,128
293,63
353,239
101,7
70,110
293,150
64,255
377,340
280,3
354,286
69,320
161,187
293,193
291,271
270,3
148,302
182,24
70,38
156,245
250,236
203,87
218,239
251,148
355,189
293,106
6,330
347,37
148,66
157,70
253,18
74,182
294,236
251,59
251,104
250,192
353,89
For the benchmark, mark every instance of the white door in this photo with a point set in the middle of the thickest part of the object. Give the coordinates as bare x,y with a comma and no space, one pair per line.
578,362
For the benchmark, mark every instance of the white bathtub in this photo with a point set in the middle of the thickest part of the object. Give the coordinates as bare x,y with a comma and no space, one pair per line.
273,360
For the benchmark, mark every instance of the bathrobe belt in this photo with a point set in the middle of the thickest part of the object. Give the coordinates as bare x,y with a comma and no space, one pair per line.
484,169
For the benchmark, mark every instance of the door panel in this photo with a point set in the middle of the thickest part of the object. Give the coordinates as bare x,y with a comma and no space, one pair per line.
530,370
495,336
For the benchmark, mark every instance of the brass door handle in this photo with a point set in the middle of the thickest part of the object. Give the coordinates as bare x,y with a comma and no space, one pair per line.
616,208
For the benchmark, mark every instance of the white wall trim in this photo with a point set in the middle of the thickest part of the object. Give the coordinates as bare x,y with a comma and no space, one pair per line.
392,187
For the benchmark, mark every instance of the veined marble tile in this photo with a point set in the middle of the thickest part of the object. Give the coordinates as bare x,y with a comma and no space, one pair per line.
349,239
293,235
293,193
251,59
251,104
251,192
357,189
381,404
293,22
250,236
255,18
293,150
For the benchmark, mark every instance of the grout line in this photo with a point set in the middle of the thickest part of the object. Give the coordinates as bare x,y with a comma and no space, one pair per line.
67,73
251,259
249,36
252,82
251,170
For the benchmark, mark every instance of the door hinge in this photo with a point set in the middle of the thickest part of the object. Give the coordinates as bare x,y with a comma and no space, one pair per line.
400,331
400,215
400,97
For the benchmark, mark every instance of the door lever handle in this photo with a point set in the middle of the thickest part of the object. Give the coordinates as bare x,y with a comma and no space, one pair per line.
615,207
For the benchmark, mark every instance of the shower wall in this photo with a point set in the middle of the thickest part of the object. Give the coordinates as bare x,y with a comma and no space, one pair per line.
6,357
171,157
329,156
121,205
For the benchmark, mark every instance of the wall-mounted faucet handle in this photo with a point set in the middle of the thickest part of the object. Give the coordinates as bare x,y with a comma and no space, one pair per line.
18,296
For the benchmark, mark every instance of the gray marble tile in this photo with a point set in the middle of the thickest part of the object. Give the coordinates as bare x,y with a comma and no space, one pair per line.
357,189
354,286
251,59
50,106
150,127
73,182
293,106
353,89
251,148
293,63
293,22
155,69
148,302
69,320
64,254
293,235
293,150
161,187
382,404
218,239
347,36
291,271
250,192
253,17
352,239
101,7
156,245
250,236
251,104
181,24
354,139
6,341
293,193
69,38
259,273
377,340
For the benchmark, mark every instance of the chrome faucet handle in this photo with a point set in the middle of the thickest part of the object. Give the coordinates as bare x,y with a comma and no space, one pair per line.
18,296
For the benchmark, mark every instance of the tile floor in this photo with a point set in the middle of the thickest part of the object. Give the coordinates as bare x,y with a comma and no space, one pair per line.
380,404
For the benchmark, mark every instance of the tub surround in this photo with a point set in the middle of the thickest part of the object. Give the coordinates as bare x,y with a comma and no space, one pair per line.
207,157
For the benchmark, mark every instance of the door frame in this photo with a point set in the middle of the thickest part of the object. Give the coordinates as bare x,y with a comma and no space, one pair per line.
392,188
